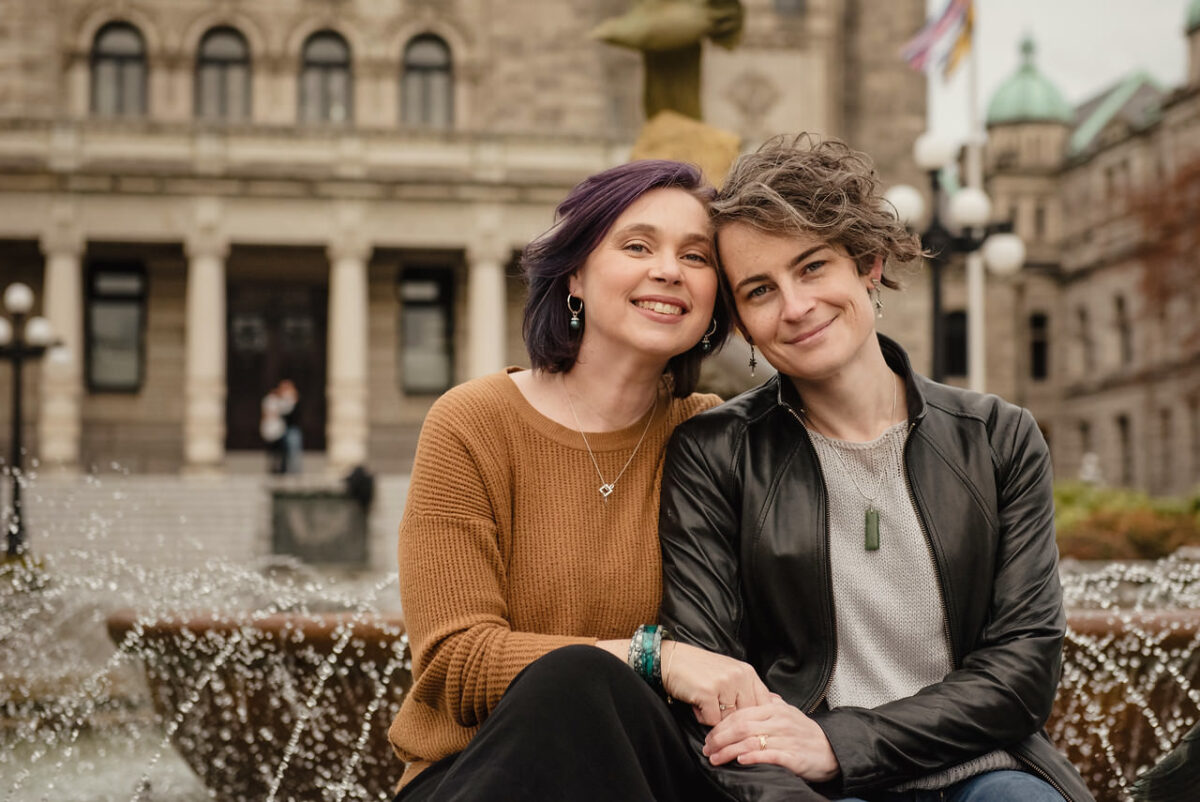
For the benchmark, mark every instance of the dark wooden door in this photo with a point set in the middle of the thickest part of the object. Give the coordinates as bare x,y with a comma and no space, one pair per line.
276,331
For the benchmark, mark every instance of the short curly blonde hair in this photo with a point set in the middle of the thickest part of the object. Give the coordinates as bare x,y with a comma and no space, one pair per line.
824,187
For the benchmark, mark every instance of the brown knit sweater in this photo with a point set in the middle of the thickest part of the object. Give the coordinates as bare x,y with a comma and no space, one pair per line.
507,551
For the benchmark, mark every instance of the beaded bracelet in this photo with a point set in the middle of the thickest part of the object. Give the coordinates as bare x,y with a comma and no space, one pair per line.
645,651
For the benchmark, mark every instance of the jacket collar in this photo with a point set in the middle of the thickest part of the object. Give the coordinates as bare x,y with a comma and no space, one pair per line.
897,360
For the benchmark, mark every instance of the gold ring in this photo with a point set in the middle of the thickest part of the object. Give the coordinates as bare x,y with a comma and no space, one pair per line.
722,707
762,742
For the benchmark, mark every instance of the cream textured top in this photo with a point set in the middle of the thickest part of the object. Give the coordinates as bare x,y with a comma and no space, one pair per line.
508,550
892,637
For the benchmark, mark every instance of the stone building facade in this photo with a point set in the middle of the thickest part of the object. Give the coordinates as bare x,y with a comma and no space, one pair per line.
209,196
1109,365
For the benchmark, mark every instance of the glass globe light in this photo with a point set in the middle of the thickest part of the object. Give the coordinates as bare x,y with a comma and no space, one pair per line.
18,298
60,355
970,208
1004,254
907,201
933,152
38,331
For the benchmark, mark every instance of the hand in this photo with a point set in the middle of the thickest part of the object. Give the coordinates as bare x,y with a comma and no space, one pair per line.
775,733
713,684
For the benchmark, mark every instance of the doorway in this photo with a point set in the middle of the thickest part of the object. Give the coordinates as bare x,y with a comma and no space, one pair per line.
276,331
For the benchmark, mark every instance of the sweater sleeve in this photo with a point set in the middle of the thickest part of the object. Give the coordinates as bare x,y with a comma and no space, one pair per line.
453,583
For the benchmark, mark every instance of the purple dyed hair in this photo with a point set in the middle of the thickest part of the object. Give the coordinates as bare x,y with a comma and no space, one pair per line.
581,221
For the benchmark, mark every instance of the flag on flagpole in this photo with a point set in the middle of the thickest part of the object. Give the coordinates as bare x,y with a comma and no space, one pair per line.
962,45
919,50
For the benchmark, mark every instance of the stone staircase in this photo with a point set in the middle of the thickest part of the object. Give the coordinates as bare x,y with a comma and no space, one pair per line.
172,520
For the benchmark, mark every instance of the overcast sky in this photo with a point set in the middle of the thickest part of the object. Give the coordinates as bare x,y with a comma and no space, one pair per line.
1083,46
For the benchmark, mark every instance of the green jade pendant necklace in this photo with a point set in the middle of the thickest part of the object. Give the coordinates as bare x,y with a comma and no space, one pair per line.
871,522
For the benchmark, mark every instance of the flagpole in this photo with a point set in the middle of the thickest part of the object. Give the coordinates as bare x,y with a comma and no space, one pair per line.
976,353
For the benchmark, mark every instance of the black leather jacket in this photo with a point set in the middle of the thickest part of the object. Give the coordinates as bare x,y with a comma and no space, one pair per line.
746,573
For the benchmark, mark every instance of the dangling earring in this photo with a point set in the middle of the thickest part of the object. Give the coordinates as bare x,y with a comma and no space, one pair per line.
753,361
576,324
877,298
705,345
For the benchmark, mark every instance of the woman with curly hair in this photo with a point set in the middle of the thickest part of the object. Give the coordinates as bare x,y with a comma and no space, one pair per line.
879,547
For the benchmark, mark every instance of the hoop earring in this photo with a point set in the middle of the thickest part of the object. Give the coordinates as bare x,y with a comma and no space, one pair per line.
753,361
576,324
705,345
876,298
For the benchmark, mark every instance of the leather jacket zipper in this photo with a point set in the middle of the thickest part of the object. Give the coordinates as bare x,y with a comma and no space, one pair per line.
828,569
946,610
1045,775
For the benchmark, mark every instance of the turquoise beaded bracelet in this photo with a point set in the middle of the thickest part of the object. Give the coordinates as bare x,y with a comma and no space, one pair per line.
645,652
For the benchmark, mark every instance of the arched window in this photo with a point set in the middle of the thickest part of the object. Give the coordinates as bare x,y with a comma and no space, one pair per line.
223,76
326,84
427,85
119,71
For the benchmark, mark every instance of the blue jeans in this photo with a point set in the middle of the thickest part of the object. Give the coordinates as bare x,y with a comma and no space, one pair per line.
293,448
993,786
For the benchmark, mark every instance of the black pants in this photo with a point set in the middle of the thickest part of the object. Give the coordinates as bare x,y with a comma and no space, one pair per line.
576,725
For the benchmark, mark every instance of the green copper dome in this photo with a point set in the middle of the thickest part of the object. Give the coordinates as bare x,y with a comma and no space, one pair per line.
1028,96
1193,18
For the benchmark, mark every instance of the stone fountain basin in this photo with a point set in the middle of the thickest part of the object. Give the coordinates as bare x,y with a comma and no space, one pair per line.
283,706
1130,689
297,706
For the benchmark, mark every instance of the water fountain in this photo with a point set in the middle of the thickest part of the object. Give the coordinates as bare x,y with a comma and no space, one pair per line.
236,681
277,685
1130,686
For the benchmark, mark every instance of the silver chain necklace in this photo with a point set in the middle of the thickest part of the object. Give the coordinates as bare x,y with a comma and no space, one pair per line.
871,522
607,488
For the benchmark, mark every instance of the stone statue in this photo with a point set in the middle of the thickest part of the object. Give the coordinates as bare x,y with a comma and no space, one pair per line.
669,34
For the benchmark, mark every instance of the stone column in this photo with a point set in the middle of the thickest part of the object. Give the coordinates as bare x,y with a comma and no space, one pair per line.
346,389
204,382
59,416
487,303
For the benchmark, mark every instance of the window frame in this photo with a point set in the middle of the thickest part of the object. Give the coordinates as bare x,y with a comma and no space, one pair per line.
443,276
95,270
954,343
790,8
1124,425
122,63
1124,327
422,77
325,69
1039,346
224,65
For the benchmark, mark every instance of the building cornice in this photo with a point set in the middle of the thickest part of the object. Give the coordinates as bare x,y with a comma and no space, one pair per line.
154,157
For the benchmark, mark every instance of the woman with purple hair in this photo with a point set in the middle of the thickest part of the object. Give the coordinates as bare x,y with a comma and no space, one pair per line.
529,553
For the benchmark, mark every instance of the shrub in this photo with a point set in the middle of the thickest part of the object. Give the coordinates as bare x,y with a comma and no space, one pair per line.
1097,523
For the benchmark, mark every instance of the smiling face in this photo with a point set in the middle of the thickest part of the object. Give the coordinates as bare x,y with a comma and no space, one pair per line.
650,285
802,301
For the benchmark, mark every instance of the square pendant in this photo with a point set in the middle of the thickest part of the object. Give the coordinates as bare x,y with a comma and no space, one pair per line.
871,539
606,490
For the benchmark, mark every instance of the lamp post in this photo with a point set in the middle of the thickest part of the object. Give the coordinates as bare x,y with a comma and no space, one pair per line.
22,338
969,211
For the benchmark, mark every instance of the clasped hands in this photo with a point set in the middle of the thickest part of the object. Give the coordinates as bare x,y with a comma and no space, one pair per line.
749,723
